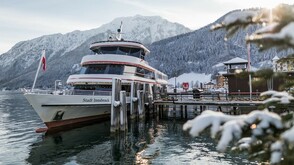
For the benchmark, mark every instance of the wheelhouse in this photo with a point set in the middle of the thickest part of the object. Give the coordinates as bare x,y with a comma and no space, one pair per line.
129,48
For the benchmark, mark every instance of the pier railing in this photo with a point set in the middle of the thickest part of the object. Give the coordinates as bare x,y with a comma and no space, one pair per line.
241,96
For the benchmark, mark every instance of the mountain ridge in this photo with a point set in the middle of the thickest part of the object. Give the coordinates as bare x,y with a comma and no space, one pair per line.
174,48
17,66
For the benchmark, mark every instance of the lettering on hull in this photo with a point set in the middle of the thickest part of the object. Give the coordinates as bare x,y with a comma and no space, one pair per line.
95,100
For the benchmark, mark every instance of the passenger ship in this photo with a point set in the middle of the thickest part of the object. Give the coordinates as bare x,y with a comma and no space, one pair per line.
90,97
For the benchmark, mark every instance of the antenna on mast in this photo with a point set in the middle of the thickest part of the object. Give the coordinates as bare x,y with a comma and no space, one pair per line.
119,32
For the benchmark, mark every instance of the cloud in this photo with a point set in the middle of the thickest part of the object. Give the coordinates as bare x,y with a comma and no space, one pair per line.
16,25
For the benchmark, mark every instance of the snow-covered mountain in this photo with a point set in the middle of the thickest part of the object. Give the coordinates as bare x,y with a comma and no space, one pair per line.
175,50
64,51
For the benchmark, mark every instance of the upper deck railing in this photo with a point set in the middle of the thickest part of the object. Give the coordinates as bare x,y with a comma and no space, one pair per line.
71,92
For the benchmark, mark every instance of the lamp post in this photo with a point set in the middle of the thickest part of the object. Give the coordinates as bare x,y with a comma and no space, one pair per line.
57,83
248,68
175,90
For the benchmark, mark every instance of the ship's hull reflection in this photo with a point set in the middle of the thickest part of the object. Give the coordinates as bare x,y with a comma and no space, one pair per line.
93,144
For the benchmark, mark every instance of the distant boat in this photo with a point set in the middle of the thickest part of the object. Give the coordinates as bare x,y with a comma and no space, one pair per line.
90,98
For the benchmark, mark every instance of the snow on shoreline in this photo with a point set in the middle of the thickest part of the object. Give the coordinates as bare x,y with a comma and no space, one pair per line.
189,77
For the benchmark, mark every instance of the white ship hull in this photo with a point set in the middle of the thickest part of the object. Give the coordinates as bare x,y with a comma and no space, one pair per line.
90,98
61,110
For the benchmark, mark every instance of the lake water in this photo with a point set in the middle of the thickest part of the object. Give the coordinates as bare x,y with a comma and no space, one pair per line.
151,141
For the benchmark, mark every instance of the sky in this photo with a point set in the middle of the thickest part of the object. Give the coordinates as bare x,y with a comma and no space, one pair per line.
22,20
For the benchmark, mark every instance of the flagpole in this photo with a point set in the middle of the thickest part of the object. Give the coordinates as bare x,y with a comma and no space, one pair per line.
43,54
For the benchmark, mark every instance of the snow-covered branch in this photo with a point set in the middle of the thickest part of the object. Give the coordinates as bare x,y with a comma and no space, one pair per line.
244,17
278,22
231,126
270,35
275,96
263,128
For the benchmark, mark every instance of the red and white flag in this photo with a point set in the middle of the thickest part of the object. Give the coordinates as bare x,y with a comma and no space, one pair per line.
43,61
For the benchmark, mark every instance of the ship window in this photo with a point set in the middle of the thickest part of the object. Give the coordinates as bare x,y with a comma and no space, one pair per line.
109,50
115,69
96,69
102,69
135,52
83,70
81,88
124,50
149,74
140,72
98,51
158,76
145,73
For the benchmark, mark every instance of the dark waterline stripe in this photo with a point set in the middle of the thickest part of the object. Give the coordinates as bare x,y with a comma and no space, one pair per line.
76,105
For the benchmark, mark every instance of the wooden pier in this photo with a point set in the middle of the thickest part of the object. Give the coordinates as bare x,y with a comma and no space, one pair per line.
178,105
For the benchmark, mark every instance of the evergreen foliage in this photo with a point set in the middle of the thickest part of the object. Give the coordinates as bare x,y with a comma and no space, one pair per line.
265,136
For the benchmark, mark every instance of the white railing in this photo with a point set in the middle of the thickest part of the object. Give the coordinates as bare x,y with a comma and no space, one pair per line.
69,92
90,92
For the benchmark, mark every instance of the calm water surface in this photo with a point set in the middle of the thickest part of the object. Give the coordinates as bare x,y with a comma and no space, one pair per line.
150,142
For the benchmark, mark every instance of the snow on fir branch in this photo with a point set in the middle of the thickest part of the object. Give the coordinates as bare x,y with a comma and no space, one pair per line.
278,30
258,128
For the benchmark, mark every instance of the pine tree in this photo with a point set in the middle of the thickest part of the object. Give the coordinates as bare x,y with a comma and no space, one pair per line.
265,135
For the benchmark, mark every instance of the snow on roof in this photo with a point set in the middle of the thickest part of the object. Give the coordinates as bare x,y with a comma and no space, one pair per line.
209,83
276,58
218,65
188,77
236,60
222,72
252,68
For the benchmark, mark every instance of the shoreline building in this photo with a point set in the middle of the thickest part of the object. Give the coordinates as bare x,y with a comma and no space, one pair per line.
239,84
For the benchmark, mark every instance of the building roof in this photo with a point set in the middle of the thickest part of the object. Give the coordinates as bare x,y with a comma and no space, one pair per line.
222,72
276,58
236,60
209,83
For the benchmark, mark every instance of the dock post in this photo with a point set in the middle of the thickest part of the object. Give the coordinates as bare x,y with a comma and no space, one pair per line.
141,104
115,103
186,112
160,110
146,98
157,109
134,100
226,95
212,95
123,111
174,111
181,111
